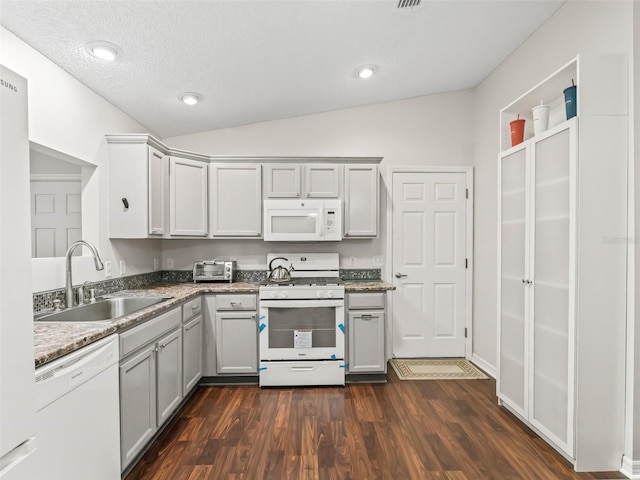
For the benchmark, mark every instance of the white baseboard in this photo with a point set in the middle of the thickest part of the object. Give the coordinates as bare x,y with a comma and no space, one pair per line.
482,364
630,468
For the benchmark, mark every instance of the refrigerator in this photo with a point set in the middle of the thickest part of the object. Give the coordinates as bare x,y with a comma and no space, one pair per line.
18,443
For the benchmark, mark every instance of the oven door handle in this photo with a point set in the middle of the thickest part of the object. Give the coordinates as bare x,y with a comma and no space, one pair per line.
301,303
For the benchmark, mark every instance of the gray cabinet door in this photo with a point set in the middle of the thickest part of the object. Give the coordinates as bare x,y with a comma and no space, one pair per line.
237,342
137,403
191,354
361,199
169,374
366,341
235,191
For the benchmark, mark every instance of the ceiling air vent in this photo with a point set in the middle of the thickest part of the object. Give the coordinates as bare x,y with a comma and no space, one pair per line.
408,3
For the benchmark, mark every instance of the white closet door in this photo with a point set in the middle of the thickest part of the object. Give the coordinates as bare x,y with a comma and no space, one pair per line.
552,289
514,236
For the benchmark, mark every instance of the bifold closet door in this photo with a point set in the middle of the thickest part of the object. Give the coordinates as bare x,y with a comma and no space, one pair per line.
552,264
513,276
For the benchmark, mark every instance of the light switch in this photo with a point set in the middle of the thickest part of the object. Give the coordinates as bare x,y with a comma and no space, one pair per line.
123,267
156,263
170,263
107,269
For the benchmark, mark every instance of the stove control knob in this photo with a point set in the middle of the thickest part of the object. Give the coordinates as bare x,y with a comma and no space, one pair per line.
274,294
284,295
329,294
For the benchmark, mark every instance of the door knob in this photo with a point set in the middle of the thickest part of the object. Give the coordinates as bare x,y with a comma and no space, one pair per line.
400,275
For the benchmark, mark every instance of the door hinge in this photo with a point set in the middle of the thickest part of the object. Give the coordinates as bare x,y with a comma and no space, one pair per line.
467,193
465,332
466,263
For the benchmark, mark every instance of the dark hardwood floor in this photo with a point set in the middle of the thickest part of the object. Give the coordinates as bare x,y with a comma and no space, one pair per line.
445,429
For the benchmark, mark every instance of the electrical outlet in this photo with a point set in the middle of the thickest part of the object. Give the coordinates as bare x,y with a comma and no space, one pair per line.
169,263
156,263
352,261
377,261
123,267
107,269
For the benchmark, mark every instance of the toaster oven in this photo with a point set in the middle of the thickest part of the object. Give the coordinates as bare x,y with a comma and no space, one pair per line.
214,271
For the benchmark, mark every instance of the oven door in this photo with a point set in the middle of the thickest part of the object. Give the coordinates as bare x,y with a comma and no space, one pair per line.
301,329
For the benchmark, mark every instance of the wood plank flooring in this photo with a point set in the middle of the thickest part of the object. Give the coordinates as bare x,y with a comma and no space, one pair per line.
436,429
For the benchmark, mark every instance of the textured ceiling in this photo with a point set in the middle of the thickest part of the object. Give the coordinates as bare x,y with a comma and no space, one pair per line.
254,61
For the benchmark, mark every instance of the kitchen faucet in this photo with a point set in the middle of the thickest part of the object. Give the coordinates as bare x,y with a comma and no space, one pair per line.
96,259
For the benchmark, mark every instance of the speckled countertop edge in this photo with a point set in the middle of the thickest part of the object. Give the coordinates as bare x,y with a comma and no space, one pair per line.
53,340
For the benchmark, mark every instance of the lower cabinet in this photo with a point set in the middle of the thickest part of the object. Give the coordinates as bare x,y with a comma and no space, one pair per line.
365,331
230,335
150,380
191,354
192,340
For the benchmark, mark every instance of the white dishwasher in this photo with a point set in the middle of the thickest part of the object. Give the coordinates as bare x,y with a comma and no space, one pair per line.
78,415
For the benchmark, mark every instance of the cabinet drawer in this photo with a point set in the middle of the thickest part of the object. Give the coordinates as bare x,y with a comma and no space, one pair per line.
364,301
148,331
235,302
191,308
325,372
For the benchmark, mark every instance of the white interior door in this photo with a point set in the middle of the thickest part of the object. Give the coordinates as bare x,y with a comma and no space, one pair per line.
429,245
56,217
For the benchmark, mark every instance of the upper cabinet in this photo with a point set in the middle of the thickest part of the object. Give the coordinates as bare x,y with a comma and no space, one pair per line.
361,199
235,200
286,180
188,180
155,192
137,190
160,192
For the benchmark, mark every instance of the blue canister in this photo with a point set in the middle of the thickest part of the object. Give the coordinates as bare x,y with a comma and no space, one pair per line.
570,101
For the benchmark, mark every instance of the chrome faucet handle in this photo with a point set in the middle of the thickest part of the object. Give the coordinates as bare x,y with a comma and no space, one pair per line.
92,295
56,305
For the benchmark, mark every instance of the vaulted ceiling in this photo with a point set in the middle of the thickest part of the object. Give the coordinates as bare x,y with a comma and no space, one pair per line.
257,60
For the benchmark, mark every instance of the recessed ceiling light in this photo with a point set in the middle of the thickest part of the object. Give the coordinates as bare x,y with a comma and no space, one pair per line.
103,50
190,98
366,71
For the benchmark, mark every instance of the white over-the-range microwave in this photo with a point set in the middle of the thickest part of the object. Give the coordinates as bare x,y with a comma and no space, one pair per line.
302,220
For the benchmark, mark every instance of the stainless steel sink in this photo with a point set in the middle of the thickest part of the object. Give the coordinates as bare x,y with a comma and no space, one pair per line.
102,310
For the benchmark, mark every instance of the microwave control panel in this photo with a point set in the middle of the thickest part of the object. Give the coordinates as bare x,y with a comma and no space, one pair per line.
331,225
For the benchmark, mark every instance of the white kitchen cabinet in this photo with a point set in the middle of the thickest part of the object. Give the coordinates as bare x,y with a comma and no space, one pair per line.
282,180
150,380
285,180
138,422
561,282
361,201
138,188
188,197
235,191
322,180
169,371
236,334
192,341
236,342
230,335
365,332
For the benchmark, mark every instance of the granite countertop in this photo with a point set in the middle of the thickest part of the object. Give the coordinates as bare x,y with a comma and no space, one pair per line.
56,339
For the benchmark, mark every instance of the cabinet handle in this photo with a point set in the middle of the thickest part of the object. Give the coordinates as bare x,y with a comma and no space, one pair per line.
194,308
401,275
162,345
367,317
236,304
186,329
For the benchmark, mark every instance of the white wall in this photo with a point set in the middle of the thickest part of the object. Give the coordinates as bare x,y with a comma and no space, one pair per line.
66,116
598,27
429,130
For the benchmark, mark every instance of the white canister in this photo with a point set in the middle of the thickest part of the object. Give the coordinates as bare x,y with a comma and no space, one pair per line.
540,119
